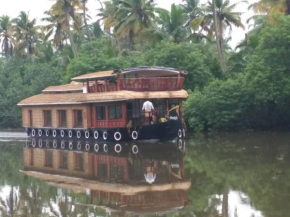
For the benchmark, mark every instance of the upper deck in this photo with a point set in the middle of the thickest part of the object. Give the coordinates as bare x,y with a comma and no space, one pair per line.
133,79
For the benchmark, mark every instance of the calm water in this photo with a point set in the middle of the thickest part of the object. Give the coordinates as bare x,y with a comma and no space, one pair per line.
224,174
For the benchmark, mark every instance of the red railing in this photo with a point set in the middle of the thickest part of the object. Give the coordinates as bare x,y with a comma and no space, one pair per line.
152,84
139,84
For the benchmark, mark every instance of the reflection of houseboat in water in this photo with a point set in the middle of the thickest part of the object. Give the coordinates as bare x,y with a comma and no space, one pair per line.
110,105
123,182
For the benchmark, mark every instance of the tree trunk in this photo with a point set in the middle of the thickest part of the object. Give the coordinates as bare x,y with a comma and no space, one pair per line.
6,47
85,21
71,40
225,204
222,45
101,4
217,35
287,7
131,40
27,46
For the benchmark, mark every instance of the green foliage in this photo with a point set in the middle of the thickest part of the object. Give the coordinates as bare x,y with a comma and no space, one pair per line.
219,106
240,162
19,79
99,55
181,56
256,98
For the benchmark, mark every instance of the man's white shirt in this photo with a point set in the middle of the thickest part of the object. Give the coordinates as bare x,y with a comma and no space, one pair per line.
147,106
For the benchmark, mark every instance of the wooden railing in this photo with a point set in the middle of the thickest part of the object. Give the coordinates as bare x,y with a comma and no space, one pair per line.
139,84
102,88
152,84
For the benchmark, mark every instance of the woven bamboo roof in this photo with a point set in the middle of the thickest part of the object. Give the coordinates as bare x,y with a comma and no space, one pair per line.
81,184
82,98
71,87
95,75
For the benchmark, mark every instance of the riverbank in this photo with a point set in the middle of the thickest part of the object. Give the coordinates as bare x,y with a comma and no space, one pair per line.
12,135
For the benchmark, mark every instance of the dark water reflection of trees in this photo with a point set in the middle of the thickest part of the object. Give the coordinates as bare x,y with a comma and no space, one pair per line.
256,164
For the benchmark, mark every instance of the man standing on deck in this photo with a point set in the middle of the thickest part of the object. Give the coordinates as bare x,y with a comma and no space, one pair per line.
148,107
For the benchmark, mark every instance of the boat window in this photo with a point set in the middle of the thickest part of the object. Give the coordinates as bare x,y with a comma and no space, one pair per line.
78,117
117,172
62,118
101,113
115,112
102,171
79,161
47,118
48,158
63,160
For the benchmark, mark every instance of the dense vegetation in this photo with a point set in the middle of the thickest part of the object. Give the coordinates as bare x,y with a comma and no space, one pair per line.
247,87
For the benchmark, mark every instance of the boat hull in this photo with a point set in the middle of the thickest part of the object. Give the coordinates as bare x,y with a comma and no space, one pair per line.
163,131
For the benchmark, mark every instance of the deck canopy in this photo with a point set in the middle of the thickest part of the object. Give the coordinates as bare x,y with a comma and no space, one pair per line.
144,71
95,75
155,71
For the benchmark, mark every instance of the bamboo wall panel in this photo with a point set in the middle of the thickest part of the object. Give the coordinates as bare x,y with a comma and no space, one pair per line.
39,163
38,116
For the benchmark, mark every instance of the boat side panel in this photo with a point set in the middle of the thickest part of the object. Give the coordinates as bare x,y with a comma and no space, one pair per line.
38,115
39,157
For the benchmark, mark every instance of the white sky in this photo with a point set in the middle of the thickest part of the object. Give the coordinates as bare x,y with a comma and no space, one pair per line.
37,7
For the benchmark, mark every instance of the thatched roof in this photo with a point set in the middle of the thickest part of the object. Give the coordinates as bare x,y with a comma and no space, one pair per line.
83,98
71,87
95,75
80,184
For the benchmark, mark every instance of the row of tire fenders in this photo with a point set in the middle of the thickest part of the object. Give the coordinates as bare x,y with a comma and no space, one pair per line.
79,134
88,147
70,133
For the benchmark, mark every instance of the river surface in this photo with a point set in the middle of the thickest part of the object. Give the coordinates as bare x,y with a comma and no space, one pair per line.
219,174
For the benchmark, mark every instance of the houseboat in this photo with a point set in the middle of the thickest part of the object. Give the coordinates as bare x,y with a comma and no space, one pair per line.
150,183
140,103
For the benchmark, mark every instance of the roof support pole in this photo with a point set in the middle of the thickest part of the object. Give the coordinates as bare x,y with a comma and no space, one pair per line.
94,116
89,116
88,86
107,115
96,85
118,82
180,109
106,85
178,81
124,113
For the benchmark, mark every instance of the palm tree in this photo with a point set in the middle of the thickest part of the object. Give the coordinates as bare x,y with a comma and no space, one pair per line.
271,7
54,29
96,29
7,40
223,16
173,22
10,206
26,33
108,14
85,17
65,11
32,201
198,20
193,9
128,17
